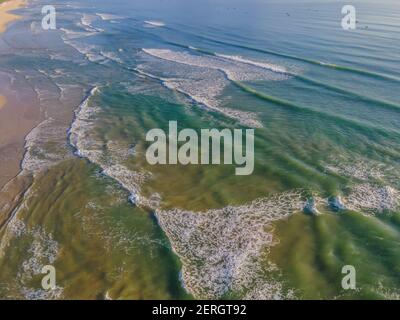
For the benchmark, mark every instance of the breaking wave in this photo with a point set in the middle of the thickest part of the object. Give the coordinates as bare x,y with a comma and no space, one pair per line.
349,69
235,70
154,23
108,17
222,250
36,157
86,22
376,188
264,65
204,91
87,146
205,78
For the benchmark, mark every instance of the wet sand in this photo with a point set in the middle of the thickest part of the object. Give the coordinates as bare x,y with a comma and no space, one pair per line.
2,101
17,118
5,16
16,121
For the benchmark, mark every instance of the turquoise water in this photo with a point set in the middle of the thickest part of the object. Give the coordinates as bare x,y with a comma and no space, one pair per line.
325,190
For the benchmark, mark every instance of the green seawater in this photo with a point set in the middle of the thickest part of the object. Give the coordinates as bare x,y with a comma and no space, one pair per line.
104,247
313,250
324,194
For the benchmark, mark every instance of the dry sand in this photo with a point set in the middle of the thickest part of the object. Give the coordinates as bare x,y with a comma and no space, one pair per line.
5,16
2,102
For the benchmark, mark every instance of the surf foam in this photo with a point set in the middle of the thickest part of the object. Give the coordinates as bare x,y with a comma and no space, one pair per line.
373,198
154,23
108,16
88,146
203,78
376,189
222,250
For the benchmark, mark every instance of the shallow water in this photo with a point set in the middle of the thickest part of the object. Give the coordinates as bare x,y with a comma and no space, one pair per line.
326,118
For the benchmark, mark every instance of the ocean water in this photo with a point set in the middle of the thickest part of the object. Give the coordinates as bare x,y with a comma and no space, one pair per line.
325,191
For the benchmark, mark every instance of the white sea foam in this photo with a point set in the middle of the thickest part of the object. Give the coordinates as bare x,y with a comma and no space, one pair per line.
215,262
115,235
80,127
72,37
43,250
361,169
222,250
87,19
90,52
130,180
376,190
230,261
365,198
65,90
92,149
107,296
111,56
41,294
204,78
60,72
388,293
154,23
74,34
36,157
108,17
15,227
45,143
204,90
373,198
234,69
119,151
265,65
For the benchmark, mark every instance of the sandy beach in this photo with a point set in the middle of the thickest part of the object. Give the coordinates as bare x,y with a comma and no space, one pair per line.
17,117
2,101
5,16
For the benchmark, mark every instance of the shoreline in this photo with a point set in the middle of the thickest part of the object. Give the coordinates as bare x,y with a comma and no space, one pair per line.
5,17
17,118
